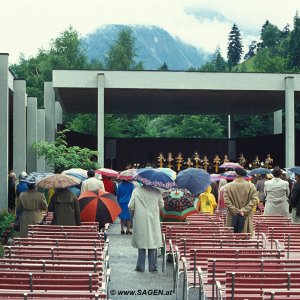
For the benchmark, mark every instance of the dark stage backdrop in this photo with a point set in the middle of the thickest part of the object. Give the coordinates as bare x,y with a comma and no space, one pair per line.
143,150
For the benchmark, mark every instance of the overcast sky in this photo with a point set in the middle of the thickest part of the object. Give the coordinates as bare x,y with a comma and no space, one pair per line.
27,25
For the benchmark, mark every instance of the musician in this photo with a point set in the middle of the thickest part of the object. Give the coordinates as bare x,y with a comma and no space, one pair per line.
197,159
161,160
242,160
170,160
216,161
256,162
189,163
269,161
205,163
179,161
226,159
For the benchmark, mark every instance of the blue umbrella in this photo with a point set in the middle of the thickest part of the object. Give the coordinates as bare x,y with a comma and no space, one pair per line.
154,177
193,179
295,170
260,171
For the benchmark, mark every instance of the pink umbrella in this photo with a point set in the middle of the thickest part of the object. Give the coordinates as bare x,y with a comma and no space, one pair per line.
215,177
107,172
230,165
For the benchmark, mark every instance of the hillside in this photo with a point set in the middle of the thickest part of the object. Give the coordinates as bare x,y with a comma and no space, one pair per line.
154,46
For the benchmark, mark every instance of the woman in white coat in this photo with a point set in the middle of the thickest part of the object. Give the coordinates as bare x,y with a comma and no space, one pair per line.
277,192
145,202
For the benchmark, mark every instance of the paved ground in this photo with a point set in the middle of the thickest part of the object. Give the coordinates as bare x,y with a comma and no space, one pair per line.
125,279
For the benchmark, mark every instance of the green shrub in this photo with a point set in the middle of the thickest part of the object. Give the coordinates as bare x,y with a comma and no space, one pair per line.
6,226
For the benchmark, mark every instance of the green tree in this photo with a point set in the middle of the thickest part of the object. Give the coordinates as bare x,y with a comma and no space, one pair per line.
121,55
235,47
218,61
163,67
65,53
251,51
295,44
247,126
270,35
61,157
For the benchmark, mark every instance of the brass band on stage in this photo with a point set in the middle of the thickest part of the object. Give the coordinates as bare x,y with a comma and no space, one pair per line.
196,160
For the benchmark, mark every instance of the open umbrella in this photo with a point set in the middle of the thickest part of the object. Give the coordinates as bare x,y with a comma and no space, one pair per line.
295,170
215,177
58,181
230,165
77,171
154,177
194,179
107,172
37,176
127,174
231,175
169,172
260,171
179,203
98,206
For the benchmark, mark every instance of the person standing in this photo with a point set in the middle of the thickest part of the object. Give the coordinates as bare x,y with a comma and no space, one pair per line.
92,183
240,197
32,204
145,202
260,186
295,200
276,192
65,208
12,177
109,185
207,202
124,193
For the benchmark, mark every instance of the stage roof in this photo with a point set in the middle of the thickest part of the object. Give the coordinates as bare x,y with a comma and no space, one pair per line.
158,92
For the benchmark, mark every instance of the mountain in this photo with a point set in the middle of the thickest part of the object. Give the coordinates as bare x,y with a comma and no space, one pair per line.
154,46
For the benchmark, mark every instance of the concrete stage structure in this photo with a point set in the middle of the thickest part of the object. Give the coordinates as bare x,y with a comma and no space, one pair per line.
133,92
156,92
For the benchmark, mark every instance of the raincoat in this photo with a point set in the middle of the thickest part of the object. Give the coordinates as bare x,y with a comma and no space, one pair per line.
207,202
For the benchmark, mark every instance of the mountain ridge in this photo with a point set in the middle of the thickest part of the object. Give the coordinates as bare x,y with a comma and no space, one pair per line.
154,46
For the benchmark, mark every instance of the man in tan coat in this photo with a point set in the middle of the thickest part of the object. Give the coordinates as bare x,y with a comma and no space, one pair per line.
240,197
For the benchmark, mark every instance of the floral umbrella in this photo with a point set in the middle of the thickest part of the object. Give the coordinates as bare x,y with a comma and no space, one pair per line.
154,177
179,203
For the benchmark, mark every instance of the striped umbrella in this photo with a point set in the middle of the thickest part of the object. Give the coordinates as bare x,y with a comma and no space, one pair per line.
98,206
107,172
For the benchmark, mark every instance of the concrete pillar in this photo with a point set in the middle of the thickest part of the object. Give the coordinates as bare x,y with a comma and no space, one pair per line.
277,121
49,104
41,137
289,122
4,127
229,127
19,127
58,114
31,134
100,119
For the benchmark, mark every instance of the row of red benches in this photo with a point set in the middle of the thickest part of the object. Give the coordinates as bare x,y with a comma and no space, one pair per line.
55,262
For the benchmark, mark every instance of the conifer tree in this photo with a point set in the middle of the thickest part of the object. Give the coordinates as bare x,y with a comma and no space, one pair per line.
295,43
218,60
235,47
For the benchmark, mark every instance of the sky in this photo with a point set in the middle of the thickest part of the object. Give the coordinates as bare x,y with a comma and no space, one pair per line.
27,25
